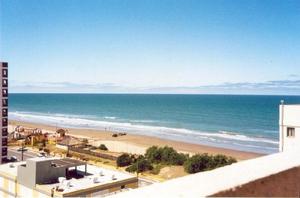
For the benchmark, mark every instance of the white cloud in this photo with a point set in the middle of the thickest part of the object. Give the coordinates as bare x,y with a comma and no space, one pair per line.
282,87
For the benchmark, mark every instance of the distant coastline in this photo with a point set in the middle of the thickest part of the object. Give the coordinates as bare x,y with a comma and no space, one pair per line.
137,143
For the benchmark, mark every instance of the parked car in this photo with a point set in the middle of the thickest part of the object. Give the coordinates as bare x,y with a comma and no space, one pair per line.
13,159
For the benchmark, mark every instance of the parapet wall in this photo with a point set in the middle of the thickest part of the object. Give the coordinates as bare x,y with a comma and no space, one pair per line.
284,184
272,175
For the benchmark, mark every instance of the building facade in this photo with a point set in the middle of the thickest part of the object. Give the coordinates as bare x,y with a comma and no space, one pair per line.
289,127
4,108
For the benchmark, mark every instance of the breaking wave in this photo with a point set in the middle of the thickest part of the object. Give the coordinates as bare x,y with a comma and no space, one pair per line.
225,139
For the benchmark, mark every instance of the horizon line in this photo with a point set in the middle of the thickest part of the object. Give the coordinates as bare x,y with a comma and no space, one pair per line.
141,93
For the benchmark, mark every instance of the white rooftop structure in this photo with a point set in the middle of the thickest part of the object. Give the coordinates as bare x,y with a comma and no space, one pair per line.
289,127
61,177
96,177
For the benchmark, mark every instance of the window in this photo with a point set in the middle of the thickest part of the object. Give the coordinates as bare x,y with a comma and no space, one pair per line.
4,73
4,132
4,141
4,82
290,132
4,122
4,102
4,93
4,151
4,113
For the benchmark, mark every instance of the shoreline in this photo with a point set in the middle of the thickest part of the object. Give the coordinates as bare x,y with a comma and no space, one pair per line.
133,143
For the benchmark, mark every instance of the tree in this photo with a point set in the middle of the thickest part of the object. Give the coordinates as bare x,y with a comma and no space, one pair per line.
203,162
166,155
231,160
170,156
153,154
218,161
197,163
179,159
124,160
140,166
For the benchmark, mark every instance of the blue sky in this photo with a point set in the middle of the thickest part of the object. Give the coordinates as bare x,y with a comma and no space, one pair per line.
184,46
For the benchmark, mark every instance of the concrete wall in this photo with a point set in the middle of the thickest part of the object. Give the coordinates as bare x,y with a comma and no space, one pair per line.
104,189
10,188
37,172
289,116
284,184
26,175
44,172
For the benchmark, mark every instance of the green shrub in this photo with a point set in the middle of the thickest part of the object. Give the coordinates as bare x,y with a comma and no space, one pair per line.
103,147
137,158
156,169
198,163
132,168
153,154
124,160
140,166
166,155
231,160
172,157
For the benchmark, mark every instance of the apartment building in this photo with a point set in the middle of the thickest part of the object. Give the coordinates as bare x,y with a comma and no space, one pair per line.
289,127
4,108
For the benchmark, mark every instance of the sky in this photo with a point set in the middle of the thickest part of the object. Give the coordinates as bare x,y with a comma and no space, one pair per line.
152,46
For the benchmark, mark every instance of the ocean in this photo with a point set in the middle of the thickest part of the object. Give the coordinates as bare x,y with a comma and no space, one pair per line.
241,122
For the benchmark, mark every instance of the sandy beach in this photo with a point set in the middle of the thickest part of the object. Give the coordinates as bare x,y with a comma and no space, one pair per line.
137,143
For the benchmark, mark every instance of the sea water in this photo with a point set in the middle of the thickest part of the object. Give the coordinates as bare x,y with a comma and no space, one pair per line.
242,122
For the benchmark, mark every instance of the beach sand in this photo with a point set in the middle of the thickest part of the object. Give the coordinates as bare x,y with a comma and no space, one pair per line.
137,143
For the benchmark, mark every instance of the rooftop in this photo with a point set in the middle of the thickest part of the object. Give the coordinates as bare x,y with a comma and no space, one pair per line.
10,169
69,141
95,178
67,162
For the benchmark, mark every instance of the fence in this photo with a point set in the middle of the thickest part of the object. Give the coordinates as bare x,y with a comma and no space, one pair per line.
89,152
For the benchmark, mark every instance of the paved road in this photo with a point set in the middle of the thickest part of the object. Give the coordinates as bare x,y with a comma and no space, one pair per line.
27,154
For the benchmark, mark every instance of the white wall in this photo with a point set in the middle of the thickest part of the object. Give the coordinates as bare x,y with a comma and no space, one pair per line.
208,183
289,116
